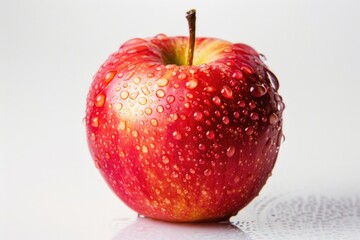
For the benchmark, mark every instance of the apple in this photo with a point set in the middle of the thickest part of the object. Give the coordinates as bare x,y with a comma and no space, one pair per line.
185,129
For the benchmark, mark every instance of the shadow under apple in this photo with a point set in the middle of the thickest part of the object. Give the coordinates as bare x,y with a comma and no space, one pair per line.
147,228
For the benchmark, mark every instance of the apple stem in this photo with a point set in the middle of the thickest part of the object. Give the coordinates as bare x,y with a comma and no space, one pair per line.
191,18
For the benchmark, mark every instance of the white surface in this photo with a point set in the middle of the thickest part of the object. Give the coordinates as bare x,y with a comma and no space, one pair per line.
49,51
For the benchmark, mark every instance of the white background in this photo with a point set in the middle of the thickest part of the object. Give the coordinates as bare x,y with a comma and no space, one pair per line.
49,51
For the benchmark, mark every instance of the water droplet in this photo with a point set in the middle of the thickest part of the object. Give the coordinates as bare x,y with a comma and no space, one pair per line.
249,130
247,69
236,179
148,111
258,90
165,159
209,89
280,106
162,82
230,151
227,92
157,191
210,134
202,147
100,100
134,95
144,149
154,122
267,146
92,136
262,58
207,172
160,93
95,122
160,109
191,84
142,100
273,118
136,80
145,90
217,101
118,106
254,116
170,99
122,125
182,76
109,77
124,95
237,74
174,174
226,120
135,133
252,105
176,135
198,116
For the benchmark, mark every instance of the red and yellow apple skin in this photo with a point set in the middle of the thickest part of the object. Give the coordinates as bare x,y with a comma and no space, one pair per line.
184,143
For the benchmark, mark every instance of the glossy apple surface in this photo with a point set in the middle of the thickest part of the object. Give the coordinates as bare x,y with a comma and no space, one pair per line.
184,143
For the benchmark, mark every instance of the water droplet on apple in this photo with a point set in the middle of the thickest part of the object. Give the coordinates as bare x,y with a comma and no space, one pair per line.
92,136
230,151
161,36
258,90
160,109
273,118
249,130
198,116
165,159
145,90
160,93
154,122
122,125
176,135
109,76
174,174
162,82
95,122
252,105
262,58
134,95
157,191
226,92
124,95
118,106
267,146
202,147
217,101
273,80
136,80
191,84
280,106
210,134
247,69
207,172
148,111
170,99
254,116
100,100
182,76
225,120
142,100
144,149
135,133
236,179
237,75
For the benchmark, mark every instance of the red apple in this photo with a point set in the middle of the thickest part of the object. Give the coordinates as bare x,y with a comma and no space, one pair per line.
184,142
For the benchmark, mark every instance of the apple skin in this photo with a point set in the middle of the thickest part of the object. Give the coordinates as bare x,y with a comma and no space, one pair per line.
184,143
